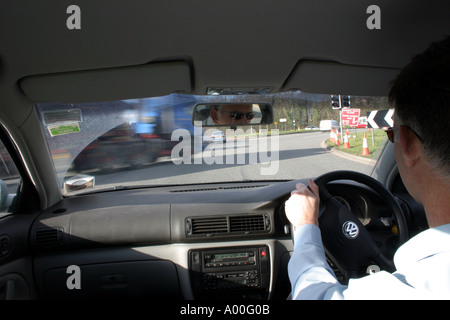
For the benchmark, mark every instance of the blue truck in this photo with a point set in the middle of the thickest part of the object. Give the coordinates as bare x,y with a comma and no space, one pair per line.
141,140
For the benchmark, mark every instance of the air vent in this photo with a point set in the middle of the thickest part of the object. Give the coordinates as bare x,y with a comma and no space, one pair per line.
227,225
247,223
49,238
209,225
219,188
243,187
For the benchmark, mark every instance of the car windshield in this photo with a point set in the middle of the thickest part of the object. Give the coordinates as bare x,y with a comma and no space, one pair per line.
154,141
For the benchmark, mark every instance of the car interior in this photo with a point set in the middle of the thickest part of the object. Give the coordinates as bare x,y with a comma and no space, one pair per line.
76,224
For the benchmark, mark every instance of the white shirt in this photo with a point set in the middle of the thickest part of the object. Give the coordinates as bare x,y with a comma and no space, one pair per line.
423,270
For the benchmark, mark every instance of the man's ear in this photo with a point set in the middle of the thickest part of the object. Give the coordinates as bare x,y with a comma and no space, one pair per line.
410,145
214,115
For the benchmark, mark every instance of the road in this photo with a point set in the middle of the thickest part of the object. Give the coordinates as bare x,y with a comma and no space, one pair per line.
294,156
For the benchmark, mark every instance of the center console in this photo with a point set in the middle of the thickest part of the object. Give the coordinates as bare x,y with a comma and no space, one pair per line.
228,273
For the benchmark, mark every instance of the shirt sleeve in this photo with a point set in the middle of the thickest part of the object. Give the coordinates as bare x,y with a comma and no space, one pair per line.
310,275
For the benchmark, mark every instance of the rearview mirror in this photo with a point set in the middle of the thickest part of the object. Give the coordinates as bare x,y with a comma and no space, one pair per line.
234,114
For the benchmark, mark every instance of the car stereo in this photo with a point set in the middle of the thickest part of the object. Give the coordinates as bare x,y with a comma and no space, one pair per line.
238,272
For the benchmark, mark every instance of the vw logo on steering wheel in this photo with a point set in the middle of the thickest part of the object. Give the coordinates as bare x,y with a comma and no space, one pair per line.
350,229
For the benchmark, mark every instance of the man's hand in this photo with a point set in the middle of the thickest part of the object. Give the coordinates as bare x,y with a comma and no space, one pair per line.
303,205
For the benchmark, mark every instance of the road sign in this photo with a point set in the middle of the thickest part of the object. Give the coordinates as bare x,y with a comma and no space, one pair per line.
350,116
380,118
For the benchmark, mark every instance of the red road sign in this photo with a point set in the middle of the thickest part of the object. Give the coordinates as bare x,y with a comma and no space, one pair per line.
350,116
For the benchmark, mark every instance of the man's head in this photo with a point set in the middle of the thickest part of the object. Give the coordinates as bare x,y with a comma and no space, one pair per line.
421,97
231,114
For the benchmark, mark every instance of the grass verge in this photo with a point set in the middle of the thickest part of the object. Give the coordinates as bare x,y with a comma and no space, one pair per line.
376,140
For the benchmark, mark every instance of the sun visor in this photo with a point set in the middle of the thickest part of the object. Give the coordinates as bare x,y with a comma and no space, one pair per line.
332,77
154,79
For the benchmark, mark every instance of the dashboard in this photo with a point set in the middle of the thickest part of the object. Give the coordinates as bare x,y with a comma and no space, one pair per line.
188,242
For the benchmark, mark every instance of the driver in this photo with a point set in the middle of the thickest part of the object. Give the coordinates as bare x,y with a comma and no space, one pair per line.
421,97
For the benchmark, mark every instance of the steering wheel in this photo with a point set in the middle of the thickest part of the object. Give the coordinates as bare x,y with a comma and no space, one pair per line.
347,241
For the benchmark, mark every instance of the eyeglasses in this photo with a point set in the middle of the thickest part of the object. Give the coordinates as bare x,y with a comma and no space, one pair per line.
390,134
240,115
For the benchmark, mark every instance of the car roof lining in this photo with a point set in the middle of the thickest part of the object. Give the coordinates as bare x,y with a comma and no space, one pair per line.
235,43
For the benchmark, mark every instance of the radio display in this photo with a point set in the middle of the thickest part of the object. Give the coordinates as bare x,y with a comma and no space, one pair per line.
227,283
231,255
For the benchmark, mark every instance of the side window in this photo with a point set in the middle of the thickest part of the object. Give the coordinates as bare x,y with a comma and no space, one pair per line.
9,181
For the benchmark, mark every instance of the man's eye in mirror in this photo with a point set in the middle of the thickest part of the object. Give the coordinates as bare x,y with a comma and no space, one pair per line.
233,114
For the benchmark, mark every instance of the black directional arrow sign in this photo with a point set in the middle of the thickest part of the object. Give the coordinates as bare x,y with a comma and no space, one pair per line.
380,118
